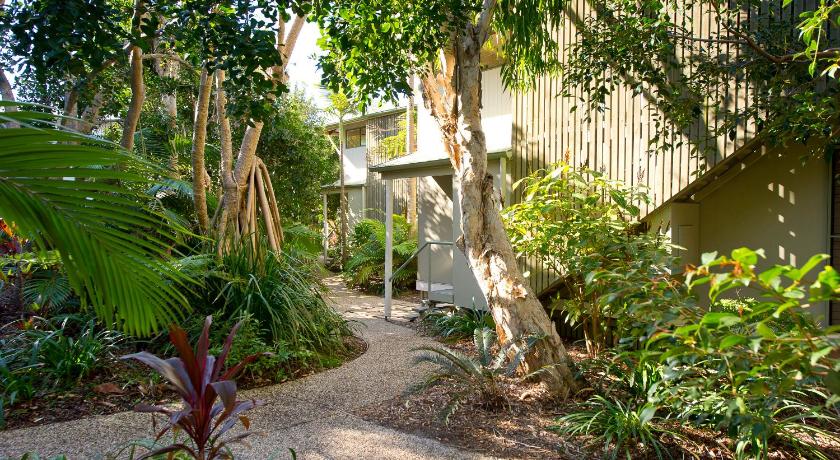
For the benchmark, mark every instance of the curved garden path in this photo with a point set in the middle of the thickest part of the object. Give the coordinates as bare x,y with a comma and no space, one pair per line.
312,415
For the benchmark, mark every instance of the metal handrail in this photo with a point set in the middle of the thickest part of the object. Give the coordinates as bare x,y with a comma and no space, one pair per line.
414,256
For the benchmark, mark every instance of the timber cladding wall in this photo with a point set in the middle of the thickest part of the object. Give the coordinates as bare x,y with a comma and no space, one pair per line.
383,145
617,140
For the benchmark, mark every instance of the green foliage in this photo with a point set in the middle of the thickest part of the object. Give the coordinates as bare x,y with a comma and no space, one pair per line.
458,322
56,35
479,376
736,372
279,293
303,242
50,354
299,156
621,427
637,45
583,225
99,222
366,267
250,339
373,46
394,146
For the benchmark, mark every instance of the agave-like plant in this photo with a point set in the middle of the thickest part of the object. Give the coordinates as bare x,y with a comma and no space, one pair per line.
481,375
200,379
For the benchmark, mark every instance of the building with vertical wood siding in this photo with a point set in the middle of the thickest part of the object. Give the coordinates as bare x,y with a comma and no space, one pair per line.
364,147
738,192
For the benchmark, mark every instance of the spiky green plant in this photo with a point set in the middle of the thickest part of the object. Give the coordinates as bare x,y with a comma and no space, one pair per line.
280,293
480,376
366,267
458,322
82,196
620,426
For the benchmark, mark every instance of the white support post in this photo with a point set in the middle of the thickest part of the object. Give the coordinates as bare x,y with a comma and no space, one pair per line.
389,244
326,230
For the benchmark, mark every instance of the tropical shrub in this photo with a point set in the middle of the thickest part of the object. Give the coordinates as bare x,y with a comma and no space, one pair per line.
100,223
366,267
583,226
280,293
200,379
250,339
736,372
480,376
457,322
49,354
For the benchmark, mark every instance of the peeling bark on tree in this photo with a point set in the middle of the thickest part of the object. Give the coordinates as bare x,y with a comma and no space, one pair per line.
514,305
199,140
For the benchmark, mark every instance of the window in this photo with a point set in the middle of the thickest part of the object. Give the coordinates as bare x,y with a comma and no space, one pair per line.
355,137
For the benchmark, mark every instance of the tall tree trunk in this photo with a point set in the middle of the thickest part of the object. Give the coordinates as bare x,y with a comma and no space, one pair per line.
342,197
485,243
7,93
409,148
138,87
199,141
167,67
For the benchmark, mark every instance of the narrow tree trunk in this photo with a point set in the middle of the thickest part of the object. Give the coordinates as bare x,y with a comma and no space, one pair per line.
342,197
199,141
514,305
409,148
230,189
138,87
168,68
248,171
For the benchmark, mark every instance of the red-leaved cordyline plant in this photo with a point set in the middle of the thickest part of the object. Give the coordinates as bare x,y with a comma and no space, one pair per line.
199,378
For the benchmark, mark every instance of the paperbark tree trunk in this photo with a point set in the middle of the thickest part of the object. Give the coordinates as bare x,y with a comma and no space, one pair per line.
199,140
138,87
515,308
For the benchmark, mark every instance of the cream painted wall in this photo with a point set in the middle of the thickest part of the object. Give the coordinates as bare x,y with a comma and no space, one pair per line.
355,165
435,224
776,204
497,118
355,206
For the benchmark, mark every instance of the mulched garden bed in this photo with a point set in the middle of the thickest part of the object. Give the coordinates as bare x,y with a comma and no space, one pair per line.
121,385
522,429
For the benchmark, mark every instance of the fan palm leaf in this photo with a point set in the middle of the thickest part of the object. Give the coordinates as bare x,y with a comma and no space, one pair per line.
82,196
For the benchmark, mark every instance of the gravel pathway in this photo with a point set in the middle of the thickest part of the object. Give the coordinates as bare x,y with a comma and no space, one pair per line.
312,415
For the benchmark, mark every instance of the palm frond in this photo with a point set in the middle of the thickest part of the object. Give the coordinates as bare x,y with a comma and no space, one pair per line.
76,194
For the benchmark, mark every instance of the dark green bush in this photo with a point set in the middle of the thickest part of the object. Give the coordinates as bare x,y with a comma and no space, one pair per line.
366,267
280,293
